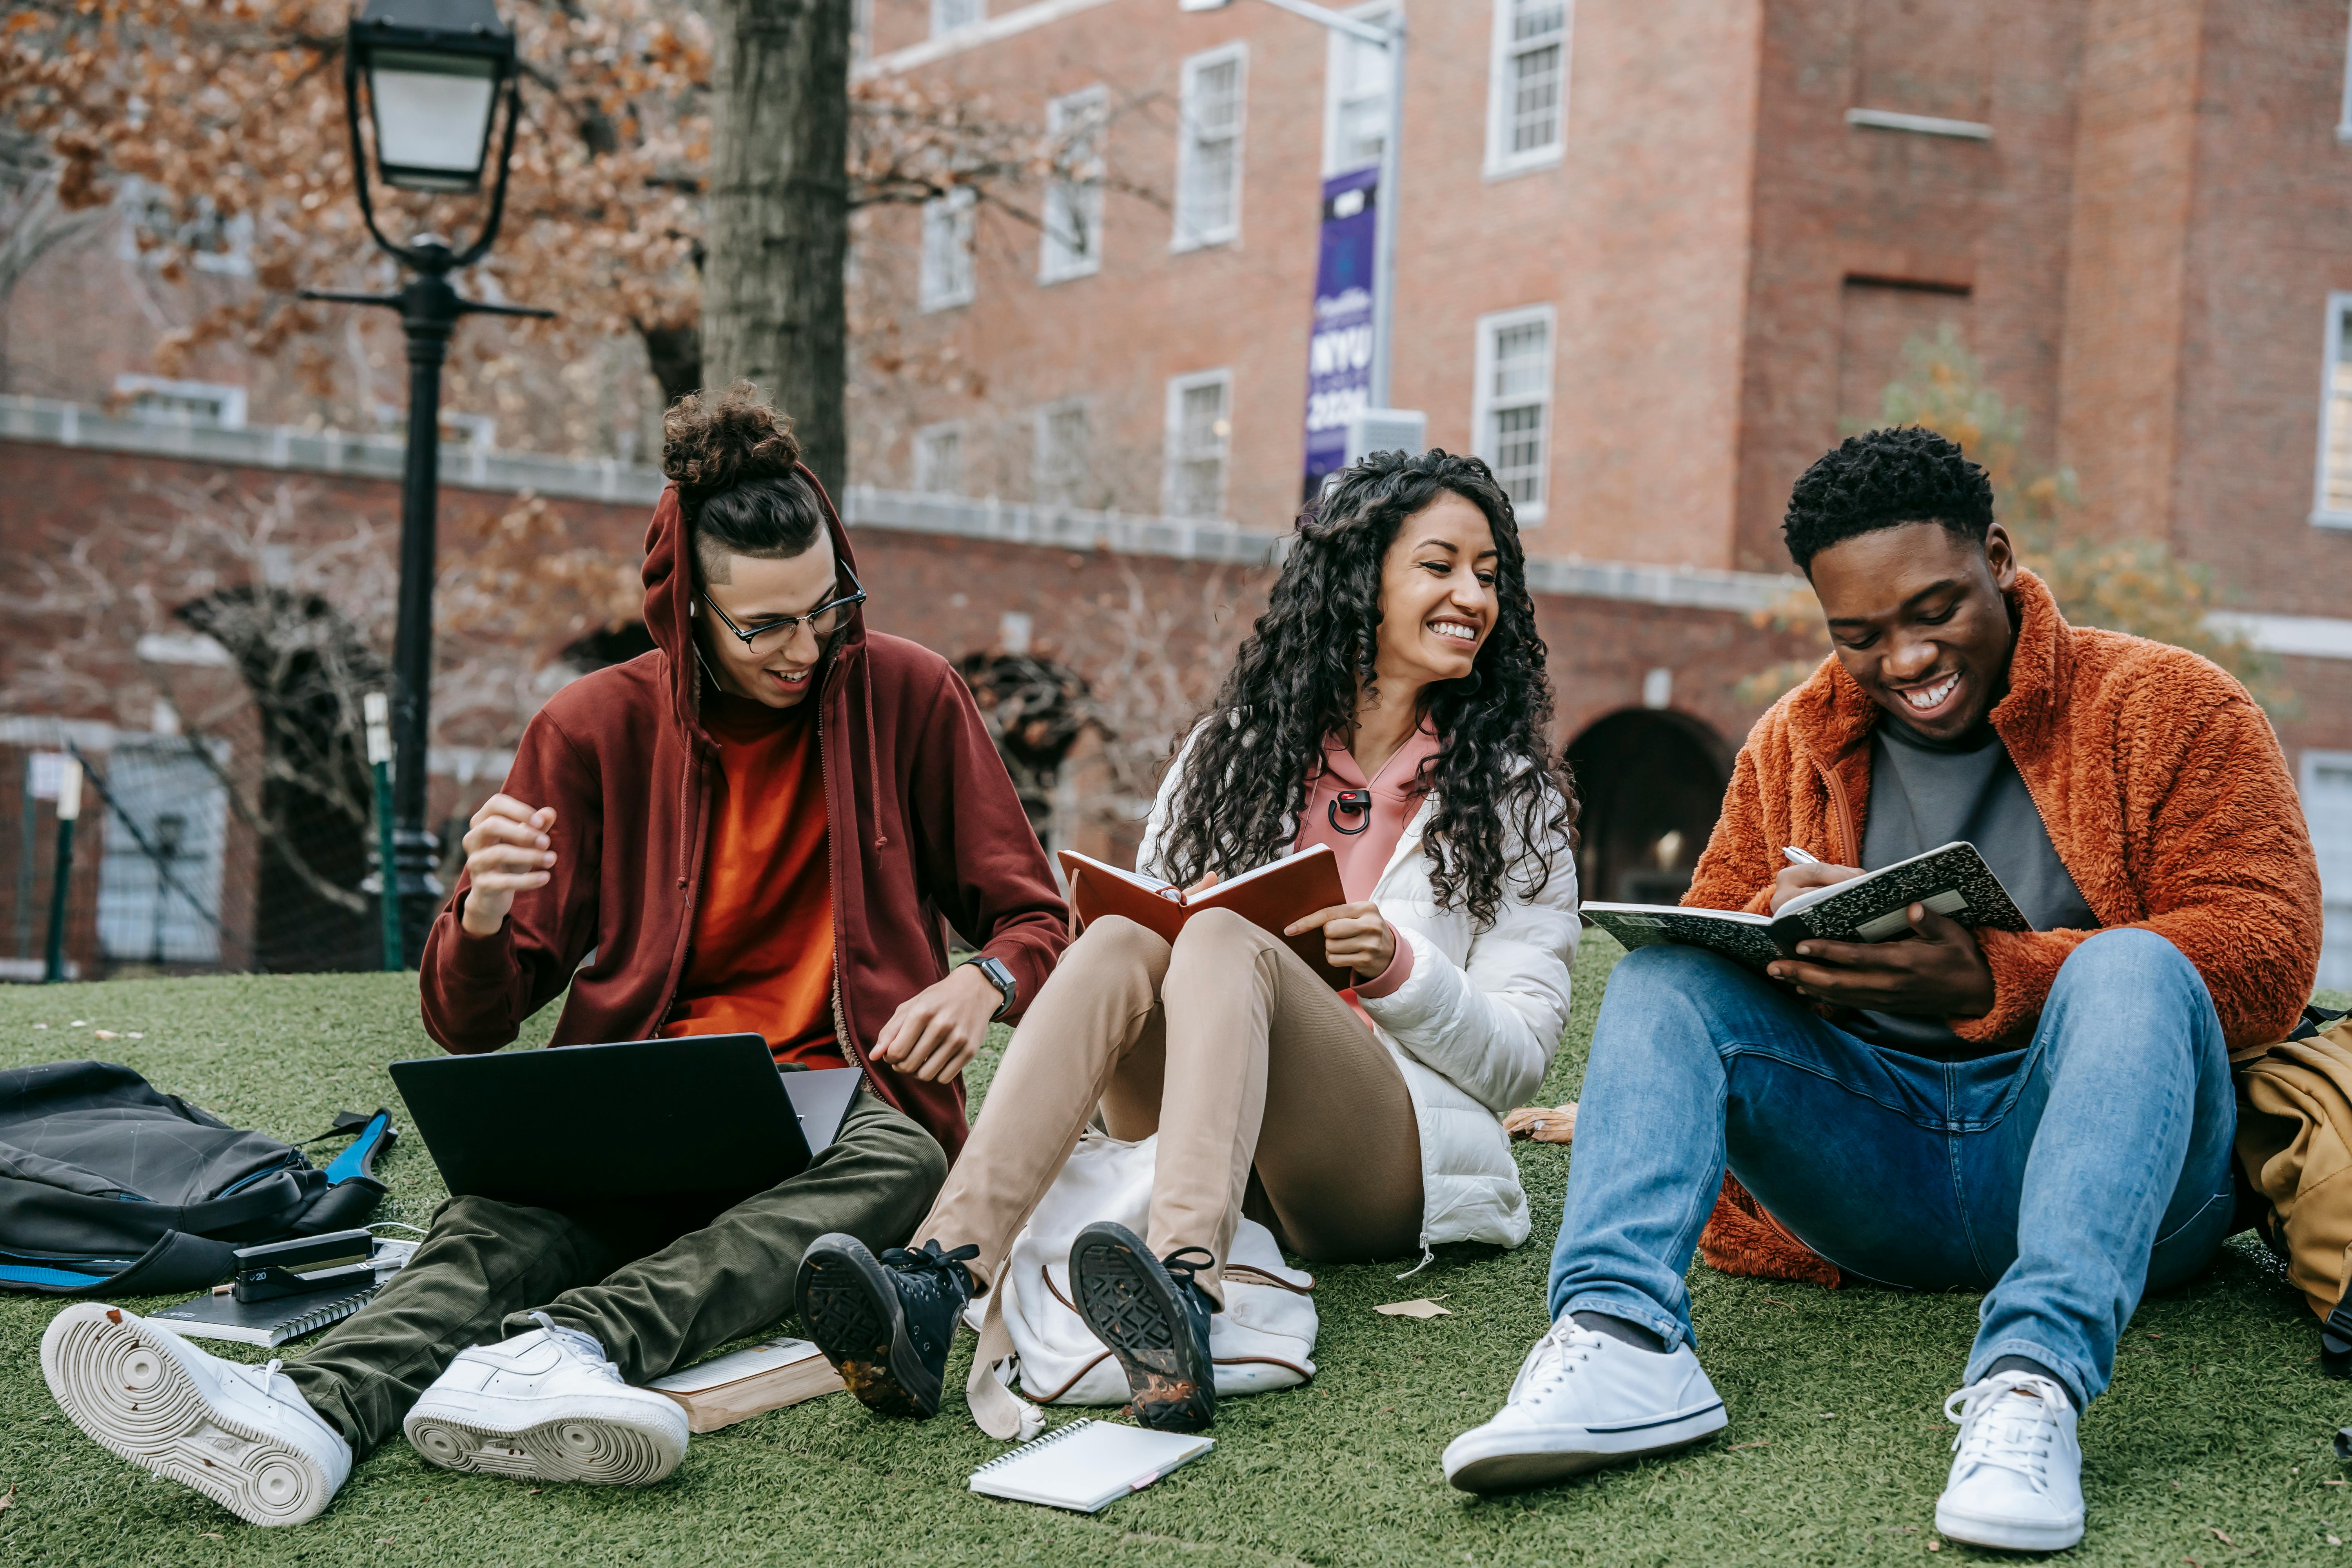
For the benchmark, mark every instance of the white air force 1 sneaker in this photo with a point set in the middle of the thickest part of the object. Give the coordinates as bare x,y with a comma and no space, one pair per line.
240,1434
547,1406
2017,1479
1583,1400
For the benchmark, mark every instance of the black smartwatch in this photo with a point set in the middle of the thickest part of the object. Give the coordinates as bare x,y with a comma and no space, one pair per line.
1001,978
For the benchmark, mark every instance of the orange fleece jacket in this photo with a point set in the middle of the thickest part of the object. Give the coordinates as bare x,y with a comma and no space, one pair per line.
2163,790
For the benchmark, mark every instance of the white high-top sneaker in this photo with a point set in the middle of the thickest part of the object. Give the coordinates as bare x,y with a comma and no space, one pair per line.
1584,1400
547,1406
240,1434
2017,1479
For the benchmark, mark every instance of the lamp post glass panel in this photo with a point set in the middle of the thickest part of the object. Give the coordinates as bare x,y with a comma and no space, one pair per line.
428,78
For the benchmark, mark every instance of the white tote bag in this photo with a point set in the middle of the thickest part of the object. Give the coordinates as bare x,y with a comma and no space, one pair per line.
1030,1332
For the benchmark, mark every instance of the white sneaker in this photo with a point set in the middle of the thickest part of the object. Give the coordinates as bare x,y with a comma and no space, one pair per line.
1584,1400
240,1434
2017,1483
547,1406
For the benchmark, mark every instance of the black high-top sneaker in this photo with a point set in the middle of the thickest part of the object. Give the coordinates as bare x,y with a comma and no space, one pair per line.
885,1323
1153,1318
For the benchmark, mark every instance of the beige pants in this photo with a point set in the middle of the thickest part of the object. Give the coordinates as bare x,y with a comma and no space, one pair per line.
1236,1055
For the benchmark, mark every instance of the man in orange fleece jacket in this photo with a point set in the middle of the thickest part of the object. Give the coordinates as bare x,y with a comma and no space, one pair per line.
2044,1116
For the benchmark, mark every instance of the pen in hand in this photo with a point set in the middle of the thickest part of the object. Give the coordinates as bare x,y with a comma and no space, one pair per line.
1797,857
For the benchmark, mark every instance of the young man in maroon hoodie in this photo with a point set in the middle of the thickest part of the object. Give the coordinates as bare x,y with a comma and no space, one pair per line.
761,826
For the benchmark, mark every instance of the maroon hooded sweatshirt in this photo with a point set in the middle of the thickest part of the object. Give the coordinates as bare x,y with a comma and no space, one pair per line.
922,824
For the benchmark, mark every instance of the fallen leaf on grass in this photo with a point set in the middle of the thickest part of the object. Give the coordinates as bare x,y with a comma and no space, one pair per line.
2335,1541
1759,1443
1422,1307
1934,1546
10,1500
210,1535
2222,1538
104,1034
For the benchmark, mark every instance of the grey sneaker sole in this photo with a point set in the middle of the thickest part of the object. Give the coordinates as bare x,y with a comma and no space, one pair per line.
1508,1464
599,1448
1130,1302
851,1310
118,1381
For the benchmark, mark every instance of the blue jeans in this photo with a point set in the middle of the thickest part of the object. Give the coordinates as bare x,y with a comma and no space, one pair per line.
2064,1179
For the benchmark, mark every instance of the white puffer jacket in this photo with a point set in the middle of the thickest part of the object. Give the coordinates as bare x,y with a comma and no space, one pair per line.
1473,1029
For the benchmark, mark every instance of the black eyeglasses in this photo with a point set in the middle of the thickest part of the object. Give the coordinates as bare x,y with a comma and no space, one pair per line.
822,620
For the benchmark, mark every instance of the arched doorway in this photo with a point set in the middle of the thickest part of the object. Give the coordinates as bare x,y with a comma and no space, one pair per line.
1652,783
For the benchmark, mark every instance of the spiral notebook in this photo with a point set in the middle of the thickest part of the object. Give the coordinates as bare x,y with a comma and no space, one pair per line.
1086,1465
265,1323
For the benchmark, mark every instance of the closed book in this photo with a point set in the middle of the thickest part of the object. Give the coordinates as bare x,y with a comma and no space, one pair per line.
270,1323
1087,1465
1269,898
746,1383
1952,879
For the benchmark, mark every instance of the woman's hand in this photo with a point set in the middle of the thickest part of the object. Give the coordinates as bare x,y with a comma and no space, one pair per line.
1545,1124
1354,937
939,1028
507,851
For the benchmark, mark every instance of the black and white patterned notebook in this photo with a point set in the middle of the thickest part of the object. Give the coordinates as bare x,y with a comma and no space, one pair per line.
1952,880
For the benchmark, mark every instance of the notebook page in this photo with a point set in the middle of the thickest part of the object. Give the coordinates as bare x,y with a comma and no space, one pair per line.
1086,1465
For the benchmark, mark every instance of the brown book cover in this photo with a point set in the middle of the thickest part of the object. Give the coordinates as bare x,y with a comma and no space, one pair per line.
1269,898
751,1382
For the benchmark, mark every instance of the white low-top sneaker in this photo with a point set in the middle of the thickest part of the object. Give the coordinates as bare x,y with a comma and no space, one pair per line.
1584,1400
2017,1481
547,1406
240,1434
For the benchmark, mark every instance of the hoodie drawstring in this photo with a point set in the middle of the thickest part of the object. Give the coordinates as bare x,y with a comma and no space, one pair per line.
872,753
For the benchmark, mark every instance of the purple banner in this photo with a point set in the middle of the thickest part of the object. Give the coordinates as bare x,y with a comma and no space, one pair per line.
1339,348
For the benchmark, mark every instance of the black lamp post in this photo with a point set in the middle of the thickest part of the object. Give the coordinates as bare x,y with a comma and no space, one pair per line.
434,70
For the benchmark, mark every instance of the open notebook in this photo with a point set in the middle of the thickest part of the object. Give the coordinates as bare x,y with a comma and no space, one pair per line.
1086,1465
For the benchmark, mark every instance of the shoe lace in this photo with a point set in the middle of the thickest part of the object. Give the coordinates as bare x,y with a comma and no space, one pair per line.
580,1343
1563,1348
929,1259
1183,1266
2010,1422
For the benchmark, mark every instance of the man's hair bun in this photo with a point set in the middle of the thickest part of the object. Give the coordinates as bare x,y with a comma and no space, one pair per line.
713,441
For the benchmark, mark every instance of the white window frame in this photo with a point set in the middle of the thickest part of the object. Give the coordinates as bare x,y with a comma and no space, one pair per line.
1074,205
1188,235
2335,896
1177,456
2344,114
1484,404
229,399
956,216
1053,476
1501,160
1340,49
2339,346
925,464
956,16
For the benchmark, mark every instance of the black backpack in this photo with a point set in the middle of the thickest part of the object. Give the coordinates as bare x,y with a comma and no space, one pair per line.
107,1184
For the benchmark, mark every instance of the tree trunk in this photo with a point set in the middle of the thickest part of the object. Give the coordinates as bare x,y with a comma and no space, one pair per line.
772,306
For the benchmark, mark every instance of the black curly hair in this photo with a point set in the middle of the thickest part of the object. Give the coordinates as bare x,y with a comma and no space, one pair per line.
1881,480
1297,679
736,463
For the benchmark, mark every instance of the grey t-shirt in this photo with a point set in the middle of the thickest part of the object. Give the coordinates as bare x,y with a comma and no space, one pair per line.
1925,792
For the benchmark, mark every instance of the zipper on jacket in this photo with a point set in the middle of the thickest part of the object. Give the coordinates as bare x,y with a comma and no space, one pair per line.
689,876
849,1047
1841,809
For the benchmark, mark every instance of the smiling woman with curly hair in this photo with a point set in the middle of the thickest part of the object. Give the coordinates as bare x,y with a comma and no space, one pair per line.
1390,705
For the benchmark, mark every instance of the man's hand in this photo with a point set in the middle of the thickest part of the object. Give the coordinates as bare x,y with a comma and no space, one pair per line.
1354,937
508,850
1939,973
939,1028
1804,879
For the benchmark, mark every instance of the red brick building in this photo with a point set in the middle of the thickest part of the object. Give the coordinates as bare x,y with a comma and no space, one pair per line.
1650,259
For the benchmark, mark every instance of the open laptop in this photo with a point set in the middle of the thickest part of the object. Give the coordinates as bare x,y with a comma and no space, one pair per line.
697,1115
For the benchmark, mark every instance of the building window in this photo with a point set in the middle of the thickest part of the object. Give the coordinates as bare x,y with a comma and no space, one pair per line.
1059,469
2332,505
2327,809
952,16
938,459
154,401
946,279
1200,435
1209,149
159,880
1512,412
1527,93
861,31
1072,247
1355,98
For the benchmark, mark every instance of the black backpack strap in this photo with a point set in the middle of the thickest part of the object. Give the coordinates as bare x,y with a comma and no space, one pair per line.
2317,1020
177,1262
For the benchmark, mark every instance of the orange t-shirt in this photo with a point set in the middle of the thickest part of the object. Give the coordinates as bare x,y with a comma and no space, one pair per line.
761,958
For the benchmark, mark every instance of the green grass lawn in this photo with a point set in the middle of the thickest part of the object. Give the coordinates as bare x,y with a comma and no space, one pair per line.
2212,1448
